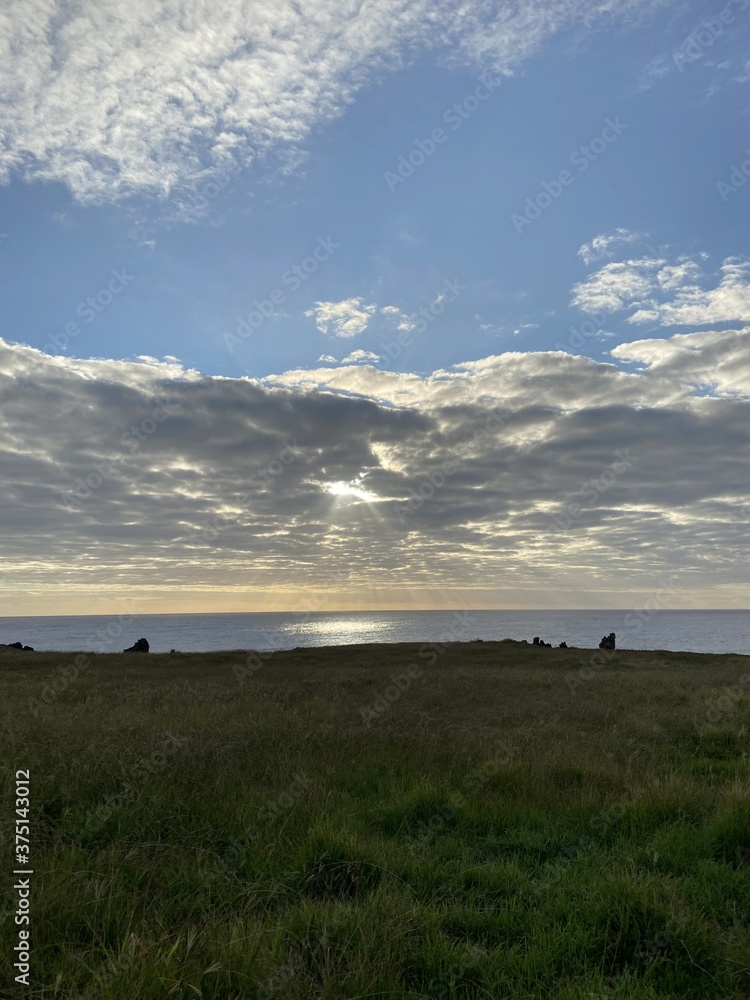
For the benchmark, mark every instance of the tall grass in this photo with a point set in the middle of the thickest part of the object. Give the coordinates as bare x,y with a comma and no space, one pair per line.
490,831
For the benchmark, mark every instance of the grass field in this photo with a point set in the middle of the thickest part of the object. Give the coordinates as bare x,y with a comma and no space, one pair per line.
484,820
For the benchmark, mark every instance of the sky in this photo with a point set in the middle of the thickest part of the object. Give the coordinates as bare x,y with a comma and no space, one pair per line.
323,305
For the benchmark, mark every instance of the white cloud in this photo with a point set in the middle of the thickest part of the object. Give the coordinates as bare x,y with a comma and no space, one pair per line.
665,294
604,244
673,277
564,382
617,286
116,98
401,320
352,317
358,356
727,302
328,359
342,319
712,44
716,359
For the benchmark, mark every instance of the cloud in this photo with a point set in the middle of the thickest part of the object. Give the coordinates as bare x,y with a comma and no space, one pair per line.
692,305
115,99
714,45
328,358
617,286
401,320
665,293
716,359
358,356
347,318
141,476
352,317
604,244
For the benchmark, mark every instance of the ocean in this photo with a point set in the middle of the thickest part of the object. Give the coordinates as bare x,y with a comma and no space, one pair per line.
695,631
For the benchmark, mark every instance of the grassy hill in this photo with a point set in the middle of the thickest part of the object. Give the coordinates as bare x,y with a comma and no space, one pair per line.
471,820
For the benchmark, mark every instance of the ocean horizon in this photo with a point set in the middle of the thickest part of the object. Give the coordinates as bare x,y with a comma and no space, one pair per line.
705,631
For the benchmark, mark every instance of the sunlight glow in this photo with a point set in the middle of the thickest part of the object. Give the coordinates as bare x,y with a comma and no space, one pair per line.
342,489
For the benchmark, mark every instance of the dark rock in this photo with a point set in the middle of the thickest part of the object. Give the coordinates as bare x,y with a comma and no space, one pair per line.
536,640
141,646
608,642
13,645
29,649
563,645
547,645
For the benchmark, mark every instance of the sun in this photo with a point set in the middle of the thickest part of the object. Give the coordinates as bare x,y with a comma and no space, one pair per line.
342,489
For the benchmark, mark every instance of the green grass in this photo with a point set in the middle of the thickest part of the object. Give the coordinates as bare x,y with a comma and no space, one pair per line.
491,833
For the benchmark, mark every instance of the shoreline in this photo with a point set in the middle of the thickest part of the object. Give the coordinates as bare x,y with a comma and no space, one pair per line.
417,645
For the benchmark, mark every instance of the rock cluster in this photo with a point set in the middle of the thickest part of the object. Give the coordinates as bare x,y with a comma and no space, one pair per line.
17,645
141,646
608,642
540,642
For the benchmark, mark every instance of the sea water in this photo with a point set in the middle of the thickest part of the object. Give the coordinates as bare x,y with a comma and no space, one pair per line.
696,631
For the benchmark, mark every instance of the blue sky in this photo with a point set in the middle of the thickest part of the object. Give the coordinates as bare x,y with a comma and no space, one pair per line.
451,219
630,114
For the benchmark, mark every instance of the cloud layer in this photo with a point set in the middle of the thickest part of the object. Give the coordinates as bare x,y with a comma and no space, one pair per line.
117,98
542,472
